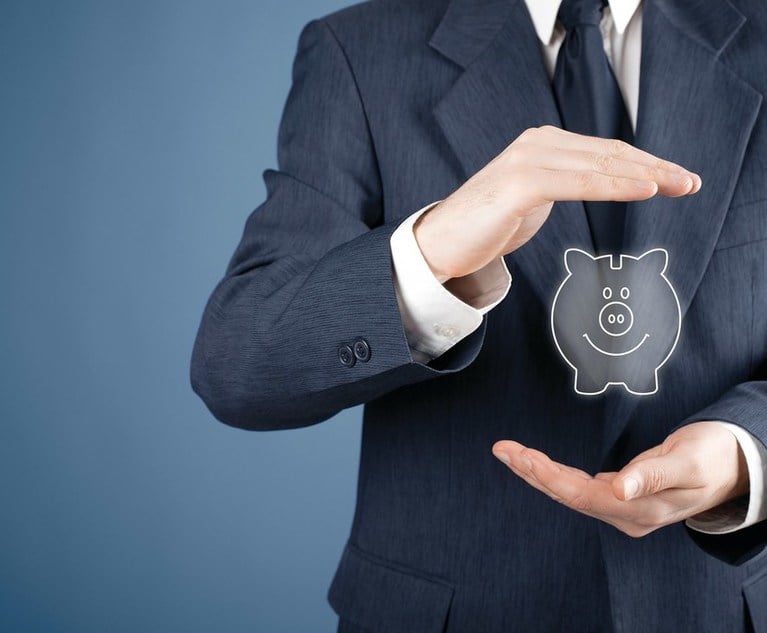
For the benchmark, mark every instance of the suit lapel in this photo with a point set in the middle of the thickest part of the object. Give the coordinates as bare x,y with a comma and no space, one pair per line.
694,111
503,90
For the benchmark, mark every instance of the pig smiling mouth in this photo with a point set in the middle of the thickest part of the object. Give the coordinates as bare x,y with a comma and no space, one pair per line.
601,351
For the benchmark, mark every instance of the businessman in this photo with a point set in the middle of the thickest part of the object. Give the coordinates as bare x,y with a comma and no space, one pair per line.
437,159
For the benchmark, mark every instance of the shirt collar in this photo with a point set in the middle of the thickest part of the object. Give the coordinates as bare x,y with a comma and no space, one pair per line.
544,15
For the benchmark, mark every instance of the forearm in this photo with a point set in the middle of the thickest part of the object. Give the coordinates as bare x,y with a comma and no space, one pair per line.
313,271
267,352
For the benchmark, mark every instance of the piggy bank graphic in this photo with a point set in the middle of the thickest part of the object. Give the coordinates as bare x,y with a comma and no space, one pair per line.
616,320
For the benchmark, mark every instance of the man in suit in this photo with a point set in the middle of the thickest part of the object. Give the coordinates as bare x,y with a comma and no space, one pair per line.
621,513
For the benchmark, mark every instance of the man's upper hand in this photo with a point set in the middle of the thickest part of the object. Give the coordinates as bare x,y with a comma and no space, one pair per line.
505,203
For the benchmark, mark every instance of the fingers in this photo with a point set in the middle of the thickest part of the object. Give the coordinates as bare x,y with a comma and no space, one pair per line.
551,185
671,179
590,496
503,205
561,165
613,148
648,476
506,448
569,486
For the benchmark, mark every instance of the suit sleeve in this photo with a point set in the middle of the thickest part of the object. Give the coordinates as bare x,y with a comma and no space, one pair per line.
745,405
313,271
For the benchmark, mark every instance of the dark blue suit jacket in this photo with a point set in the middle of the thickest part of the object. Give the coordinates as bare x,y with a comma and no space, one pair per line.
395,104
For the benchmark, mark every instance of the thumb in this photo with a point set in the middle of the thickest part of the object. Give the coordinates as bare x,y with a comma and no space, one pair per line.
649,476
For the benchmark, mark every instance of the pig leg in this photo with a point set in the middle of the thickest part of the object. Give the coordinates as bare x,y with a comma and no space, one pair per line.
643,387
588,385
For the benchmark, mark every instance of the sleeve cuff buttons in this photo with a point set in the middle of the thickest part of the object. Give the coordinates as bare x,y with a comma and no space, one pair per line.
346,356
362,350
359,350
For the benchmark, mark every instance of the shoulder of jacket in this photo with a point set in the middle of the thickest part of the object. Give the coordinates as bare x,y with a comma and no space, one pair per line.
385,16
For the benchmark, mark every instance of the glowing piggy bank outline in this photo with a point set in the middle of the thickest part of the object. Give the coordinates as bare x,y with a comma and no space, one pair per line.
622,340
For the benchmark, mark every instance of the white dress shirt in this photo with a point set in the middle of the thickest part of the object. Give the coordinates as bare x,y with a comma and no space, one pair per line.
436,316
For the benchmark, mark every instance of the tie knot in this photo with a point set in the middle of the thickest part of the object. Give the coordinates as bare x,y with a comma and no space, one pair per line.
575,12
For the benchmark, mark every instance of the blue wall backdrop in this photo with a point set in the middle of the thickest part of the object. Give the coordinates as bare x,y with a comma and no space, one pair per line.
133,136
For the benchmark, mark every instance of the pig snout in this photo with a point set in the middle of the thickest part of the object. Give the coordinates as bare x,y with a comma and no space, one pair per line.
616,318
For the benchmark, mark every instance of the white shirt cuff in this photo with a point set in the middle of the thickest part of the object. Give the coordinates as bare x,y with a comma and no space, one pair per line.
437,316
739,513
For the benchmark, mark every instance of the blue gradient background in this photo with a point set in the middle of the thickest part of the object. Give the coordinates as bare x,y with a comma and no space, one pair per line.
133,136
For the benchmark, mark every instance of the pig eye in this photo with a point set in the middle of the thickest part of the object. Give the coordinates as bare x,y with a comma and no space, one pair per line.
607,293
625,293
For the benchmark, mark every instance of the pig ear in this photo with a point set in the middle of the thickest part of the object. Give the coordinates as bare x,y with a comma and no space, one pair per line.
576,260
657,259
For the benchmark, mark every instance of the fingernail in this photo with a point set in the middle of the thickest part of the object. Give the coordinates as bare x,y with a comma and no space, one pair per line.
504,457
630,488
697,182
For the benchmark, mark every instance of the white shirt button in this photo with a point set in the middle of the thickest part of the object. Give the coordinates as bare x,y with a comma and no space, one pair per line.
446,331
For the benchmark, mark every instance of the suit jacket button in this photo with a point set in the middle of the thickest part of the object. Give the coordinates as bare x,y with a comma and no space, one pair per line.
362,350
346,356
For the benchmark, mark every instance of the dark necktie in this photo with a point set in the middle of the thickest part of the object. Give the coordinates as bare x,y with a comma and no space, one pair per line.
590,102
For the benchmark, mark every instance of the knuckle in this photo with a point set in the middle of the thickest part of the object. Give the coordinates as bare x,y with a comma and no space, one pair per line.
519,152
555,497
529,134
583,179
603,162
652,173
655,479
658,167
581,503
671,443
616,147
615,183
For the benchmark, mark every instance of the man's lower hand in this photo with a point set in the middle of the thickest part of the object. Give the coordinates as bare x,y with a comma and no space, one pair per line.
696,468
